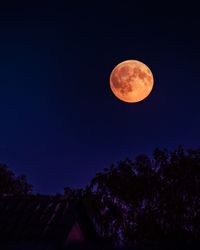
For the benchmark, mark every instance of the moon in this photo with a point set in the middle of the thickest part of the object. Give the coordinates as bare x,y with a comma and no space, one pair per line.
131,81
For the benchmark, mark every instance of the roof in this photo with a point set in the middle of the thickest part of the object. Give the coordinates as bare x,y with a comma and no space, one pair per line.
42,219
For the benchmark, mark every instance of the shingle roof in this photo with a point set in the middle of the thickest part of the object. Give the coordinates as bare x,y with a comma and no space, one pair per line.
41,218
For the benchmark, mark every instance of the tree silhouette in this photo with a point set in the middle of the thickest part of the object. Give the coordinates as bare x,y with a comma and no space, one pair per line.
150,199
10,184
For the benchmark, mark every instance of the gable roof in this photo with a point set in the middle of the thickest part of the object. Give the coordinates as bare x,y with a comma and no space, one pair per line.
42,219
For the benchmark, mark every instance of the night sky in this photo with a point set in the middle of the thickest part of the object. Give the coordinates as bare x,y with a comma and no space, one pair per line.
59,121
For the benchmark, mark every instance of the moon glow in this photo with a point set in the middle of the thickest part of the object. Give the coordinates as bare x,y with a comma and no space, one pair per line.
131,81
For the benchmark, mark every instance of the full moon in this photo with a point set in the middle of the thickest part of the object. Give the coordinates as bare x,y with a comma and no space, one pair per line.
131,81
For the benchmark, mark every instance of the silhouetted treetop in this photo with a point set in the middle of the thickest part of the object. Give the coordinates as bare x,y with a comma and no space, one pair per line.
10,184
150,199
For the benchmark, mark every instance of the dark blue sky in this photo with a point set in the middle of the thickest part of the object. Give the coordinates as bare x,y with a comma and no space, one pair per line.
59,121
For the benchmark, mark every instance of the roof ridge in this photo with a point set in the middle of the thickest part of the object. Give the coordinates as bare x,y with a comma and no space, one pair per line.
33,197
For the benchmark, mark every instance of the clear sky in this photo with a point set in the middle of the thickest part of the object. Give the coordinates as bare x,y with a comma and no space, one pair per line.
59,121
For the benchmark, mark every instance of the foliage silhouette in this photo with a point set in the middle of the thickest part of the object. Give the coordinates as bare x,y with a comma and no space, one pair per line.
11,185
142,201
150,199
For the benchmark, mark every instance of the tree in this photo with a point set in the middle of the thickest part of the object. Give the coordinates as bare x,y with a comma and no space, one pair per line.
10,184
150,199
73,194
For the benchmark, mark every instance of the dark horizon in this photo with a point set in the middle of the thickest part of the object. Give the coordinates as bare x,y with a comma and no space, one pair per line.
60,122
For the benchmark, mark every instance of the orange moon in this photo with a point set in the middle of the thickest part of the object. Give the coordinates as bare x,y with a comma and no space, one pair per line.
131,81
